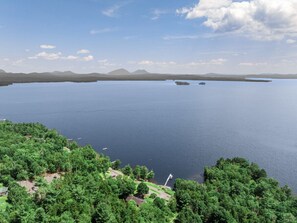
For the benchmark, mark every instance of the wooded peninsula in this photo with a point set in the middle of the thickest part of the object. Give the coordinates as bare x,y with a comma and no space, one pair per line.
46,178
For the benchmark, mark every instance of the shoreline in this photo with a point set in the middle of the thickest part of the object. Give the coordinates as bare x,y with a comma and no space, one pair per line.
7,79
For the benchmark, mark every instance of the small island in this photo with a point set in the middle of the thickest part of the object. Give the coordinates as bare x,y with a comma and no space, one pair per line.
182,83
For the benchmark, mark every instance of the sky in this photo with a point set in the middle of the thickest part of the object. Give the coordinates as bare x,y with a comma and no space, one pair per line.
164,36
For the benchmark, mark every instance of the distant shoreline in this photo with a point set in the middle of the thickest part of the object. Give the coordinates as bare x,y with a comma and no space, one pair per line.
7,79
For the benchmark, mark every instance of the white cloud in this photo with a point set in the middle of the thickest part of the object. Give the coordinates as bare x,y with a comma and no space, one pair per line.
157,13
83,51
291,41
46,46
58,56
194,37
256,19
219,61
105,63
87,58
146,62
100,31
112,11
251,64
70,57
156,63
47,56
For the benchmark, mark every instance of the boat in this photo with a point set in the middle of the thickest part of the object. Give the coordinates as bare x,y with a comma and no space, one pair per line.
202,83
105,149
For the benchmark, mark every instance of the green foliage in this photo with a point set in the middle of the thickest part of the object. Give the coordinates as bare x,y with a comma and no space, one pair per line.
153,195
234,191
3,204
139,172
127,170
116,164
126,187
84,193
160,203
142,189
150,175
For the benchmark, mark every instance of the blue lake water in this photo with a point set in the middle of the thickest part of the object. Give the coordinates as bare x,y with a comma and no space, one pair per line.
169,128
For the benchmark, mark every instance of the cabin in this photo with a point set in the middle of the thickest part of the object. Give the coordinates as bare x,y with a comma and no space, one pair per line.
3,191
137,200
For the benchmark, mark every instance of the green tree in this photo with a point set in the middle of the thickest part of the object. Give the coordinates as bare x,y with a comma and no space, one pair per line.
143,172
142,189
126,187
127,170
150,175
137,172
115,164
186,215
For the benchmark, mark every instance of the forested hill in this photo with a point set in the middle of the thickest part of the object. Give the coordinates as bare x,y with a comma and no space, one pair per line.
46,178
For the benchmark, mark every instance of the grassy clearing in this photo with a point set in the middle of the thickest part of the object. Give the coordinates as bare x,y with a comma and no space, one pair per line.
169,191
148,199
153,185
159,190
159,187
154,191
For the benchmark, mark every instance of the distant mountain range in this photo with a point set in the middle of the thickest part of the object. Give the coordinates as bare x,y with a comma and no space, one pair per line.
125,72
119,72
122,74
140,72
63,73
115,72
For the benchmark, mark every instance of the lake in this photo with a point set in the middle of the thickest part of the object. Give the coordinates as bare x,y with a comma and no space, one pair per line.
169,128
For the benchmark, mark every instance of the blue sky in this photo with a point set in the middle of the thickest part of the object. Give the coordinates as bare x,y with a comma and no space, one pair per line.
174,36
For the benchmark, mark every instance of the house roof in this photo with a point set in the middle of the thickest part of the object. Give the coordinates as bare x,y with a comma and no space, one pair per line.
3,189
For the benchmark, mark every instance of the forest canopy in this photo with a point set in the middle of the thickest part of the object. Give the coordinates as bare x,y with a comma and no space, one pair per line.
82,189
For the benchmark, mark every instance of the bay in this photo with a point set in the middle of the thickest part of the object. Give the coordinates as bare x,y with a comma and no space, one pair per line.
169,128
